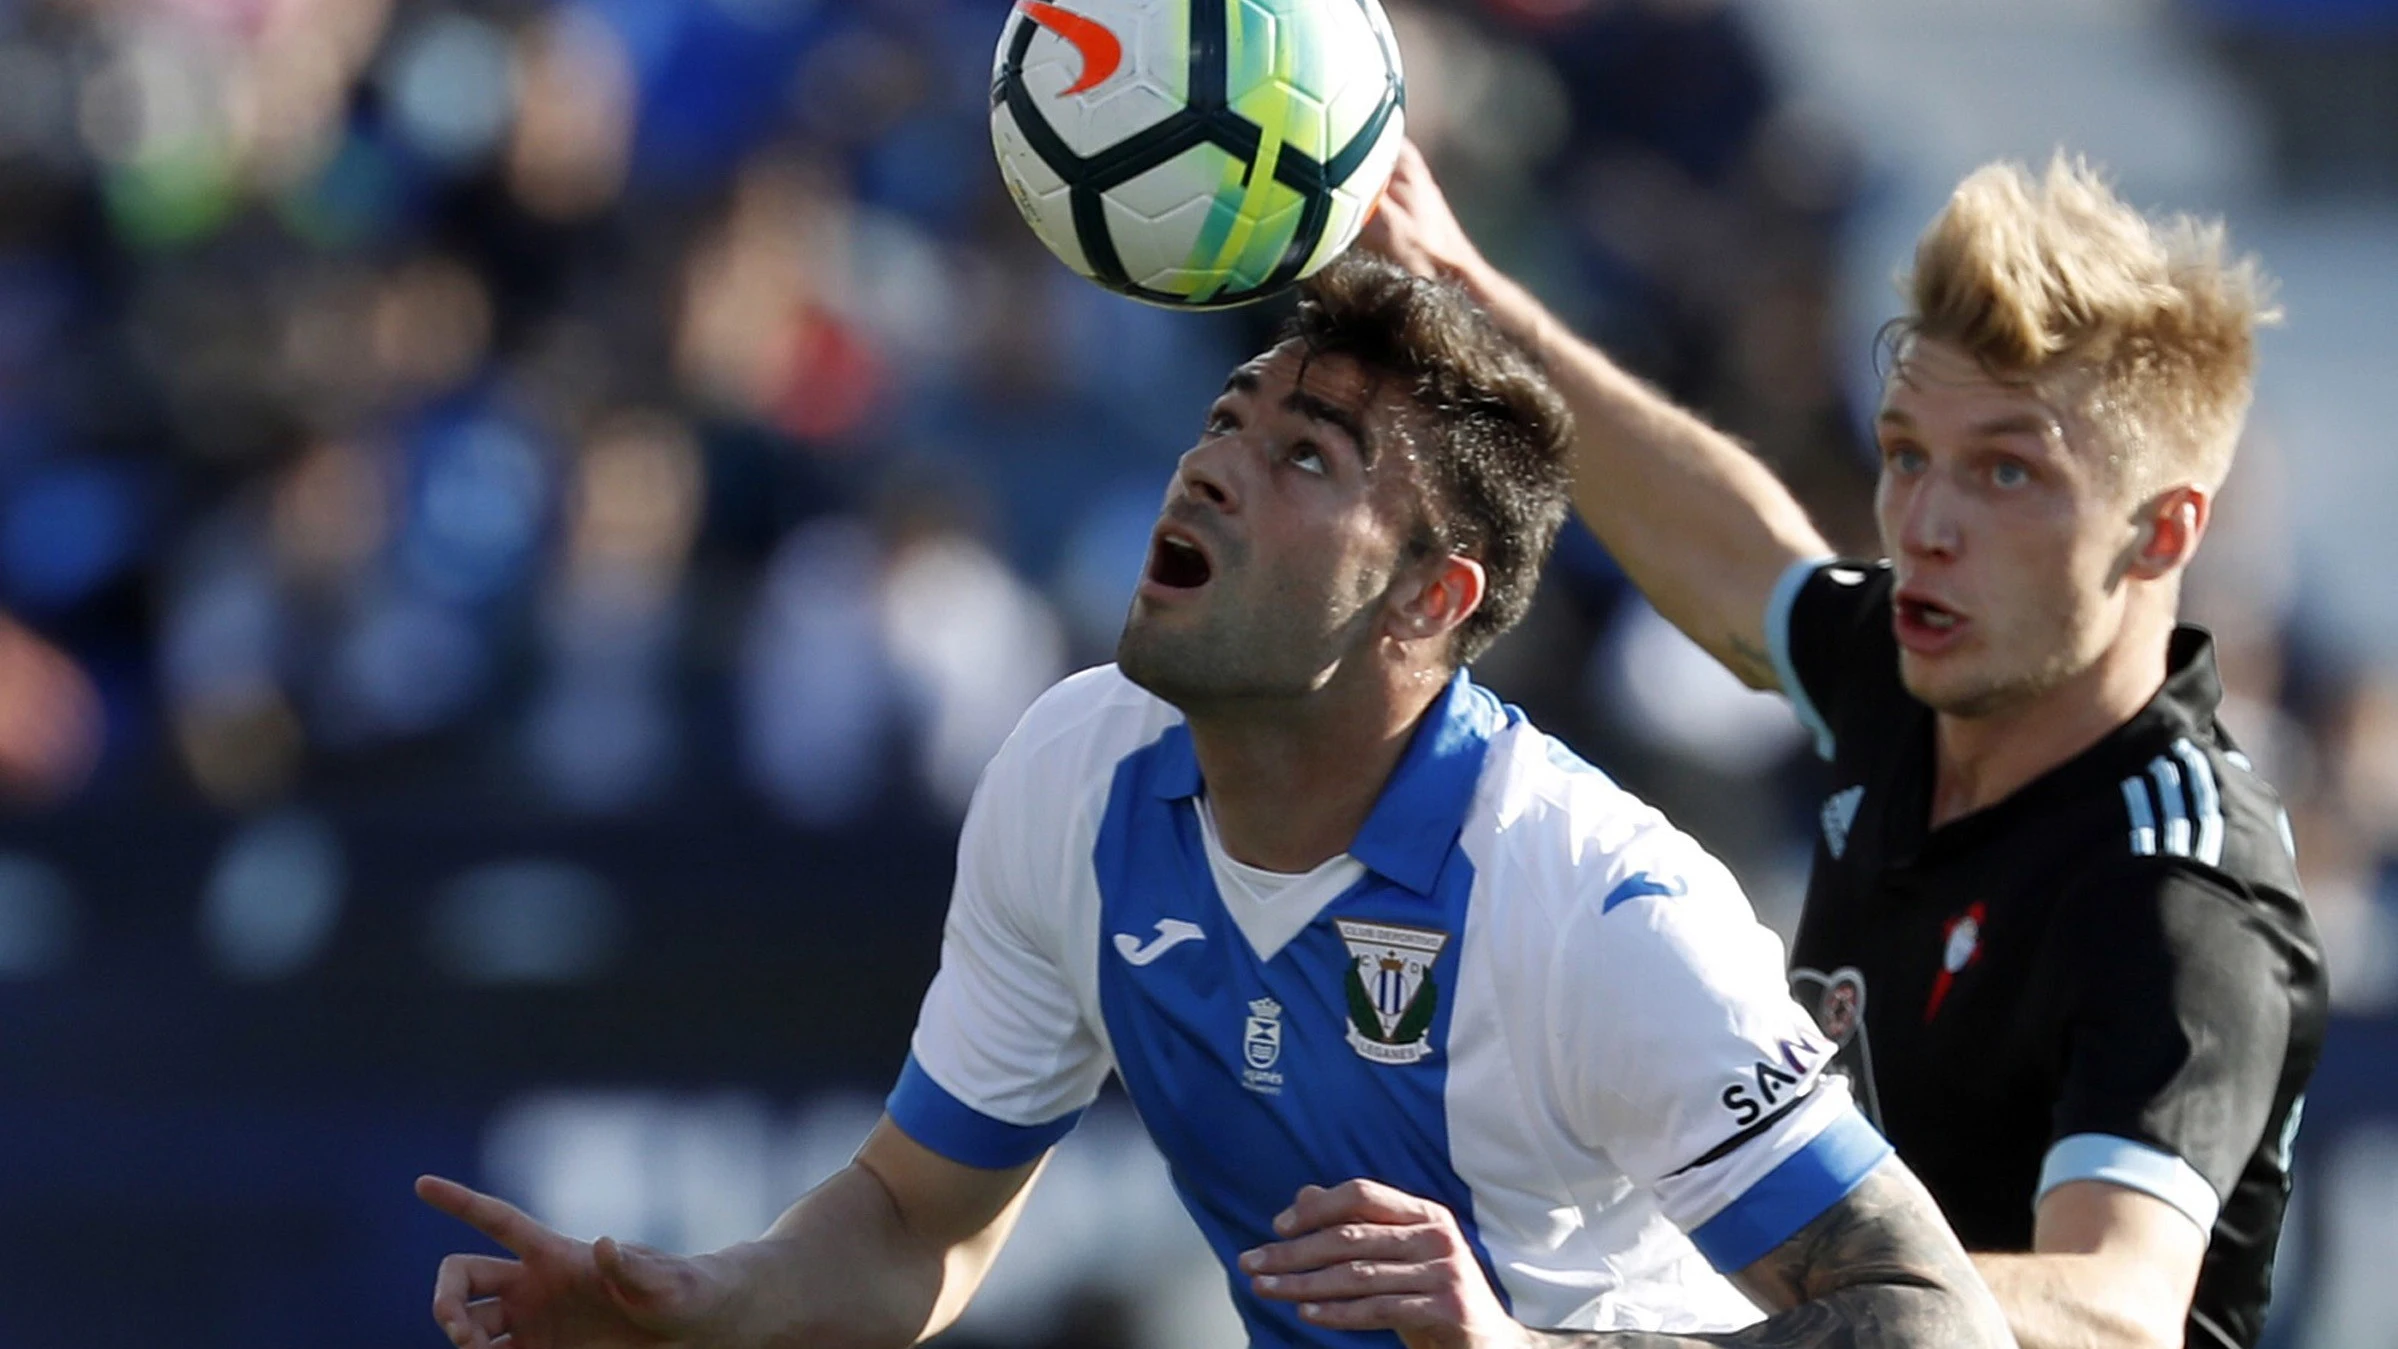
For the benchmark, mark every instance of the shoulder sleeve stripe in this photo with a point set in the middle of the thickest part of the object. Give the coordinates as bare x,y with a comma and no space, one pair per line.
1792,1195
2205,799
2171,801
2144,820
927,1113
1777,644
2134,1166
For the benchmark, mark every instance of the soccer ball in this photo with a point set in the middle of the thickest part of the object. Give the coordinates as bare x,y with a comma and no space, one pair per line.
1196,153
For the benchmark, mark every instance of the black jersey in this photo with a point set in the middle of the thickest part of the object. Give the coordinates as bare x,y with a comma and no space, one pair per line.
2107,975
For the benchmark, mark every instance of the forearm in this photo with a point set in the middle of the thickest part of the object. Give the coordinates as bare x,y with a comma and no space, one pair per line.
1701,525
841,1269
1881,1269
1881,1315
2065,1301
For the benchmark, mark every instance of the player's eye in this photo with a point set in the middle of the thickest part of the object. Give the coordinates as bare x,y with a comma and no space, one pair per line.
1903,459
2010,473
1307,458
1220,422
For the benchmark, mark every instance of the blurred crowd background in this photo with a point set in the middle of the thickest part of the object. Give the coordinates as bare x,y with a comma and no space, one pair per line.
521,522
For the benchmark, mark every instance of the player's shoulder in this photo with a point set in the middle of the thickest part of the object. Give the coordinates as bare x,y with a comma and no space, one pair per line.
1568,840
2188,805
2196,864
1075,734
1600,914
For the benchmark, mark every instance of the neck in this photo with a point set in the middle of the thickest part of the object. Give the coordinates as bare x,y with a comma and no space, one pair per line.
1291,787
1982,760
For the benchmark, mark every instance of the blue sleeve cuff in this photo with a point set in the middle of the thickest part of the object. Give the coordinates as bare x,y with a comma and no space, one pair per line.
2134,1166
926,1112
1777,645
1792,1195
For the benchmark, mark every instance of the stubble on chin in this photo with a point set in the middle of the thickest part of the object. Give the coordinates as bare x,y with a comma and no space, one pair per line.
1180,667
1973,695
1138,657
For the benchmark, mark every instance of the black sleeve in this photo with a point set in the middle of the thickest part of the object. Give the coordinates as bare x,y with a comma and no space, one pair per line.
1829,624
2178,1022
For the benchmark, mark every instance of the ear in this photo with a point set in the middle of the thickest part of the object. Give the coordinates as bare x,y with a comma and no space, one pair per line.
1445,593
2171,523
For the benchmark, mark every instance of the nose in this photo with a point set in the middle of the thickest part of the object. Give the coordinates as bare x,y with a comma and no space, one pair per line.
1205,474
1927,519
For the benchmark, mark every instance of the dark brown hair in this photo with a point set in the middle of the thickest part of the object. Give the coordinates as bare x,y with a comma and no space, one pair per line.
1495,473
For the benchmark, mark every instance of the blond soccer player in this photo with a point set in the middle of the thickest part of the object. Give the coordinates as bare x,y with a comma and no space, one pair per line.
2053,919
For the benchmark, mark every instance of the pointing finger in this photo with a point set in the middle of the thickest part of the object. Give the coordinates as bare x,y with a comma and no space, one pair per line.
495,1218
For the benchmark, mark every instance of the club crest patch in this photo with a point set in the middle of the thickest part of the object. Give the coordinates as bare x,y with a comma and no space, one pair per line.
1261,1047
1390,989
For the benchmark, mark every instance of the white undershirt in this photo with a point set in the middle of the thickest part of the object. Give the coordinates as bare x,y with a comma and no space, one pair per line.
1271,907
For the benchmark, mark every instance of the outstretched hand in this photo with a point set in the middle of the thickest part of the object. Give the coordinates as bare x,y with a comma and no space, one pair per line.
1414,227
1364,1256
560,1293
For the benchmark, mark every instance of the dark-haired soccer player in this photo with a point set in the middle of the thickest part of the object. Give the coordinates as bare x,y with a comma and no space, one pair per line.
2054,917
1366,949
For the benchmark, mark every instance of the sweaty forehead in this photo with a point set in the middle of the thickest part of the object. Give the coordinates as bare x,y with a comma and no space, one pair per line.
1339,384
1932,384
1334,376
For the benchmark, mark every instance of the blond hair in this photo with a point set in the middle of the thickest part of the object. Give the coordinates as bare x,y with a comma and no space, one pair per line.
2146,325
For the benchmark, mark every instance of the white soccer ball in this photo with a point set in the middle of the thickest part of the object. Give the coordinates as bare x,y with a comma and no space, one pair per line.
1197,153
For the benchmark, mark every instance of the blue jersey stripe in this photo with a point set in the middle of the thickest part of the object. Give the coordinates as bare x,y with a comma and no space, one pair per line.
1792,1195
1258,1076
930,1115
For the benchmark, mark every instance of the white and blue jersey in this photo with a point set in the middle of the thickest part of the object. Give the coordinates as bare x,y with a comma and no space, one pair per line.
1521,994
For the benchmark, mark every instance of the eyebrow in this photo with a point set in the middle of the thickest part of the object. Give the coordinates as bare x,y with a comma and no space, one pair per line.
1315,409
2010,424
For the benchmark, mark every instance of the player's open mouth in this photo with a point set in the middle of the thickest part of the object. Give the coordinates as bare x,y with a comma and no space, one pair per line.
1927,614
1177,564
1923,625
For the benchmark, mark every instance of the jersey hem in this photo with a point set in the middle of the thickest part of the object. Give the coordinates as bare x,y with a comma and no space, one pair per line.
926,1112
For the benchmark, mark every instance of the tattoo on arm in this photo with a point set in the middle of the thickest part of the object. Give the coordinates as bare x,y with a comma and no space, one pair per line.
1755,667
1880,1269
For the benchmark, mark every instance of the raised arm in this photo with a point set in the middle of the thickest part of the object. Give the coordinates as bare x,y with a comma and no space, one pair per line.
885,1253
1878,1268
1701,526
